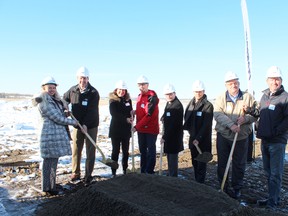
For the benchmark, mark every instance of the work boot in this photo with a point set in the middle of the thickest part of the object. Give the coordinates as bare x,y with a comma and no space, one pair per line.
87,180
262,203
113,172
75,177
124,171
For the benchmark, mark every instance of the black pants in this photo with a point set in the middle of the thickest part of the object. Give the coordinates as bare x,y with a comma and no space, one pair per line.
116,143
250,147
199,167
238,160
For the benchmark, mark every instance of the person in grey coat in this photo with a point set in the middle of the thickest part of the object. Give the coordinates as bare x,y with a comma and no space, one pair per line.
54,136
198,122
172,137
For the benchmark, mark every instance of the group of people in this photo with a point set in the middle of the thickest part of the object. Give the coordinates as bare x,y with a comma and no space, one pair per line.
234,112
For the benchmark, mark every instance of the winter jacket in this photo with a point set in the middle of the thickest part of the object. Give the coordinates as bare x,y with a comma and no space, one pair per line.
198,121
226,113
54,139
273,122
173,127
85,106
147,113
120,110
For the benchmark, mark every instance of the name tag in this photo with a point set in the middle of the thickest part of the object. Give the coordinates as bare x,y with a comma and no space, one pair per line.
168,114
199,114
142,105
84,103
271,107
127,104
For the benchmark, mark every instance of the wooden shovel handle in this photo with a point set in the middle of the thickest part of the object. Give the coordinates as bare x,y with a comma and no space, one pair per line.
89,137
198,149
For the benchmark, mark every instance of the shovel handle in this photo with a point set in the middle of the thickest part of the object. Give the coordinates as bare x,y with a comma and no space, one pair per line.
89,137
198,149
229,161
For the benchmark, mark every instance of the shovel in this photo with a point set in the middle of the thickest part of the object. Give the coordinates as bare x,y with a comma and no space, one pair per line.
111,163
132,148
204,157
228,162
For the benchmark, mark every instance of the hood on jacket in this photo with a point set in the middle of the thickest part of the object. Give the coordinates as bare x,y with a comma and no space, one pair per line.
113,96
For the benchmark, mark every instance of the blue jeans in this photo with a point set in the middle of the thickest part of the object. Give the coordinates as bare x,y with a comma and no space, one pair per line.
147,147
273,155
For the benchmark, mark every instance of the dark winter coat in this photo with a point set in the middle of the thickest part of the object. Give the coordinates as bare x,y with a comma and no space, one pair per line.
173,127
273,122
198,122
120,110
54,139
147,113
85,106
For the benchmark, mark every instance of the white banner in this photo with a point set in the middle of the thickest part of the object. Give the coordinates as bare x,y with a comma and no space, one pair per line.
248,52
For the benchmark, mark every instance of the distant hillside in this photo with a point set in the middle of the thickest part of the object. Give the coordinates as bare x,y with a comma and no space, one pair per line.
14,95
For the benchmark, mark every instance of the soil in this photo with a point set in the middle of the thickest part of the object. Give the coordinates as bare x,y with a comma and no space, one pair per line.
139,194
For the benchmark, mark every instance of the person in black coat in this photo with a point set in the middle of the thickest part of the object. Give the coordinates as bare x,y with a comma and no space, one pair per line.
172,120
120,106
198,122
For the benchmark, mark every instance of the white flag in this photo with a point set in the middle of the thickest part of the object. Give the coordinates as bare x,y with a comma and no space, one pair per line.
248,52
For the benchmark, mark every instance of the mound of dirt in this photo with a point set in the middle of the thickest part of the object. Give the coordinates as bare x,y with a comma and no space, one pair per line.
139,194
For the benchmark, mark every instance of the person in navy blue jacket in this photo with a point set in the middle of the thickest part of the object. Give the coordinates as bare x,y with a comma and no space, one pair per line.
273,132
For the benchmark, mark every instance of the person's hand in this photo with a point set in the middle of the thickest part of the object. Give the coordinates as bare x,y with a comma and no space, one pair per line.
133,130
195,142
241,120
235,128
130,120
162,141
67,113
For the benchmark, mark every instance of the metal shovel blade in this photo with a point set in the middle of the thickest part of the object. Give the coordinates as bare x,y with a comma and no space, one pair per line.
111,163
205,157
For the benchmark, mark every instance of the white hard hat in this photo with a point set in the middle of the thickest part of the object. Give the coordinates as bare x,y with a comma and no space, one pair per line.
121,85
230,76
82,72
274,71
198,86
142,79
48,80
168,88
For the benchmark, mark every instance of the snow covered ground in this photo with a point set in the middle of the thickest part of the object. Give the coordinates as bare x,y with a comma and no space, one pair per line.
18,131
19,123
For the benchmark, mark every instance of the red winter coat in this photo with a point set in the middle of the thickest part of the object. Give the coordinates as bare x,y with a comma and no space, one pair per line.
147,113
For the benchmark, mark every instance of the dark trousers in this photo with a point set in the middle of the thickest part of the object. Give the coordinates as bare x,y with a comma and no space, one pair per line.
250,151
172,164
116,143
49,168
147,147
239,158
199,167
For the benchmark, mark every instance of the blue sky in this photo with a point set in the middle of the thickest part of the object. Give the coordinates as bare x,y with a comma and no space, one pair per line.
168,41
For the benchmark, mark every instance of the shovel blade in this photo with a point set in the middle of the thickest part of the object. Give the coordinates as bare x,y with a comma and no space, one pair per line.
111,163
205,157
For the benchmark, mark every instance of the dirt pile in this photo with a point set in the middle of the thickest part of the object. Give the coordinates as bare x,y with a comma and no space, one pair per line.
138,194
